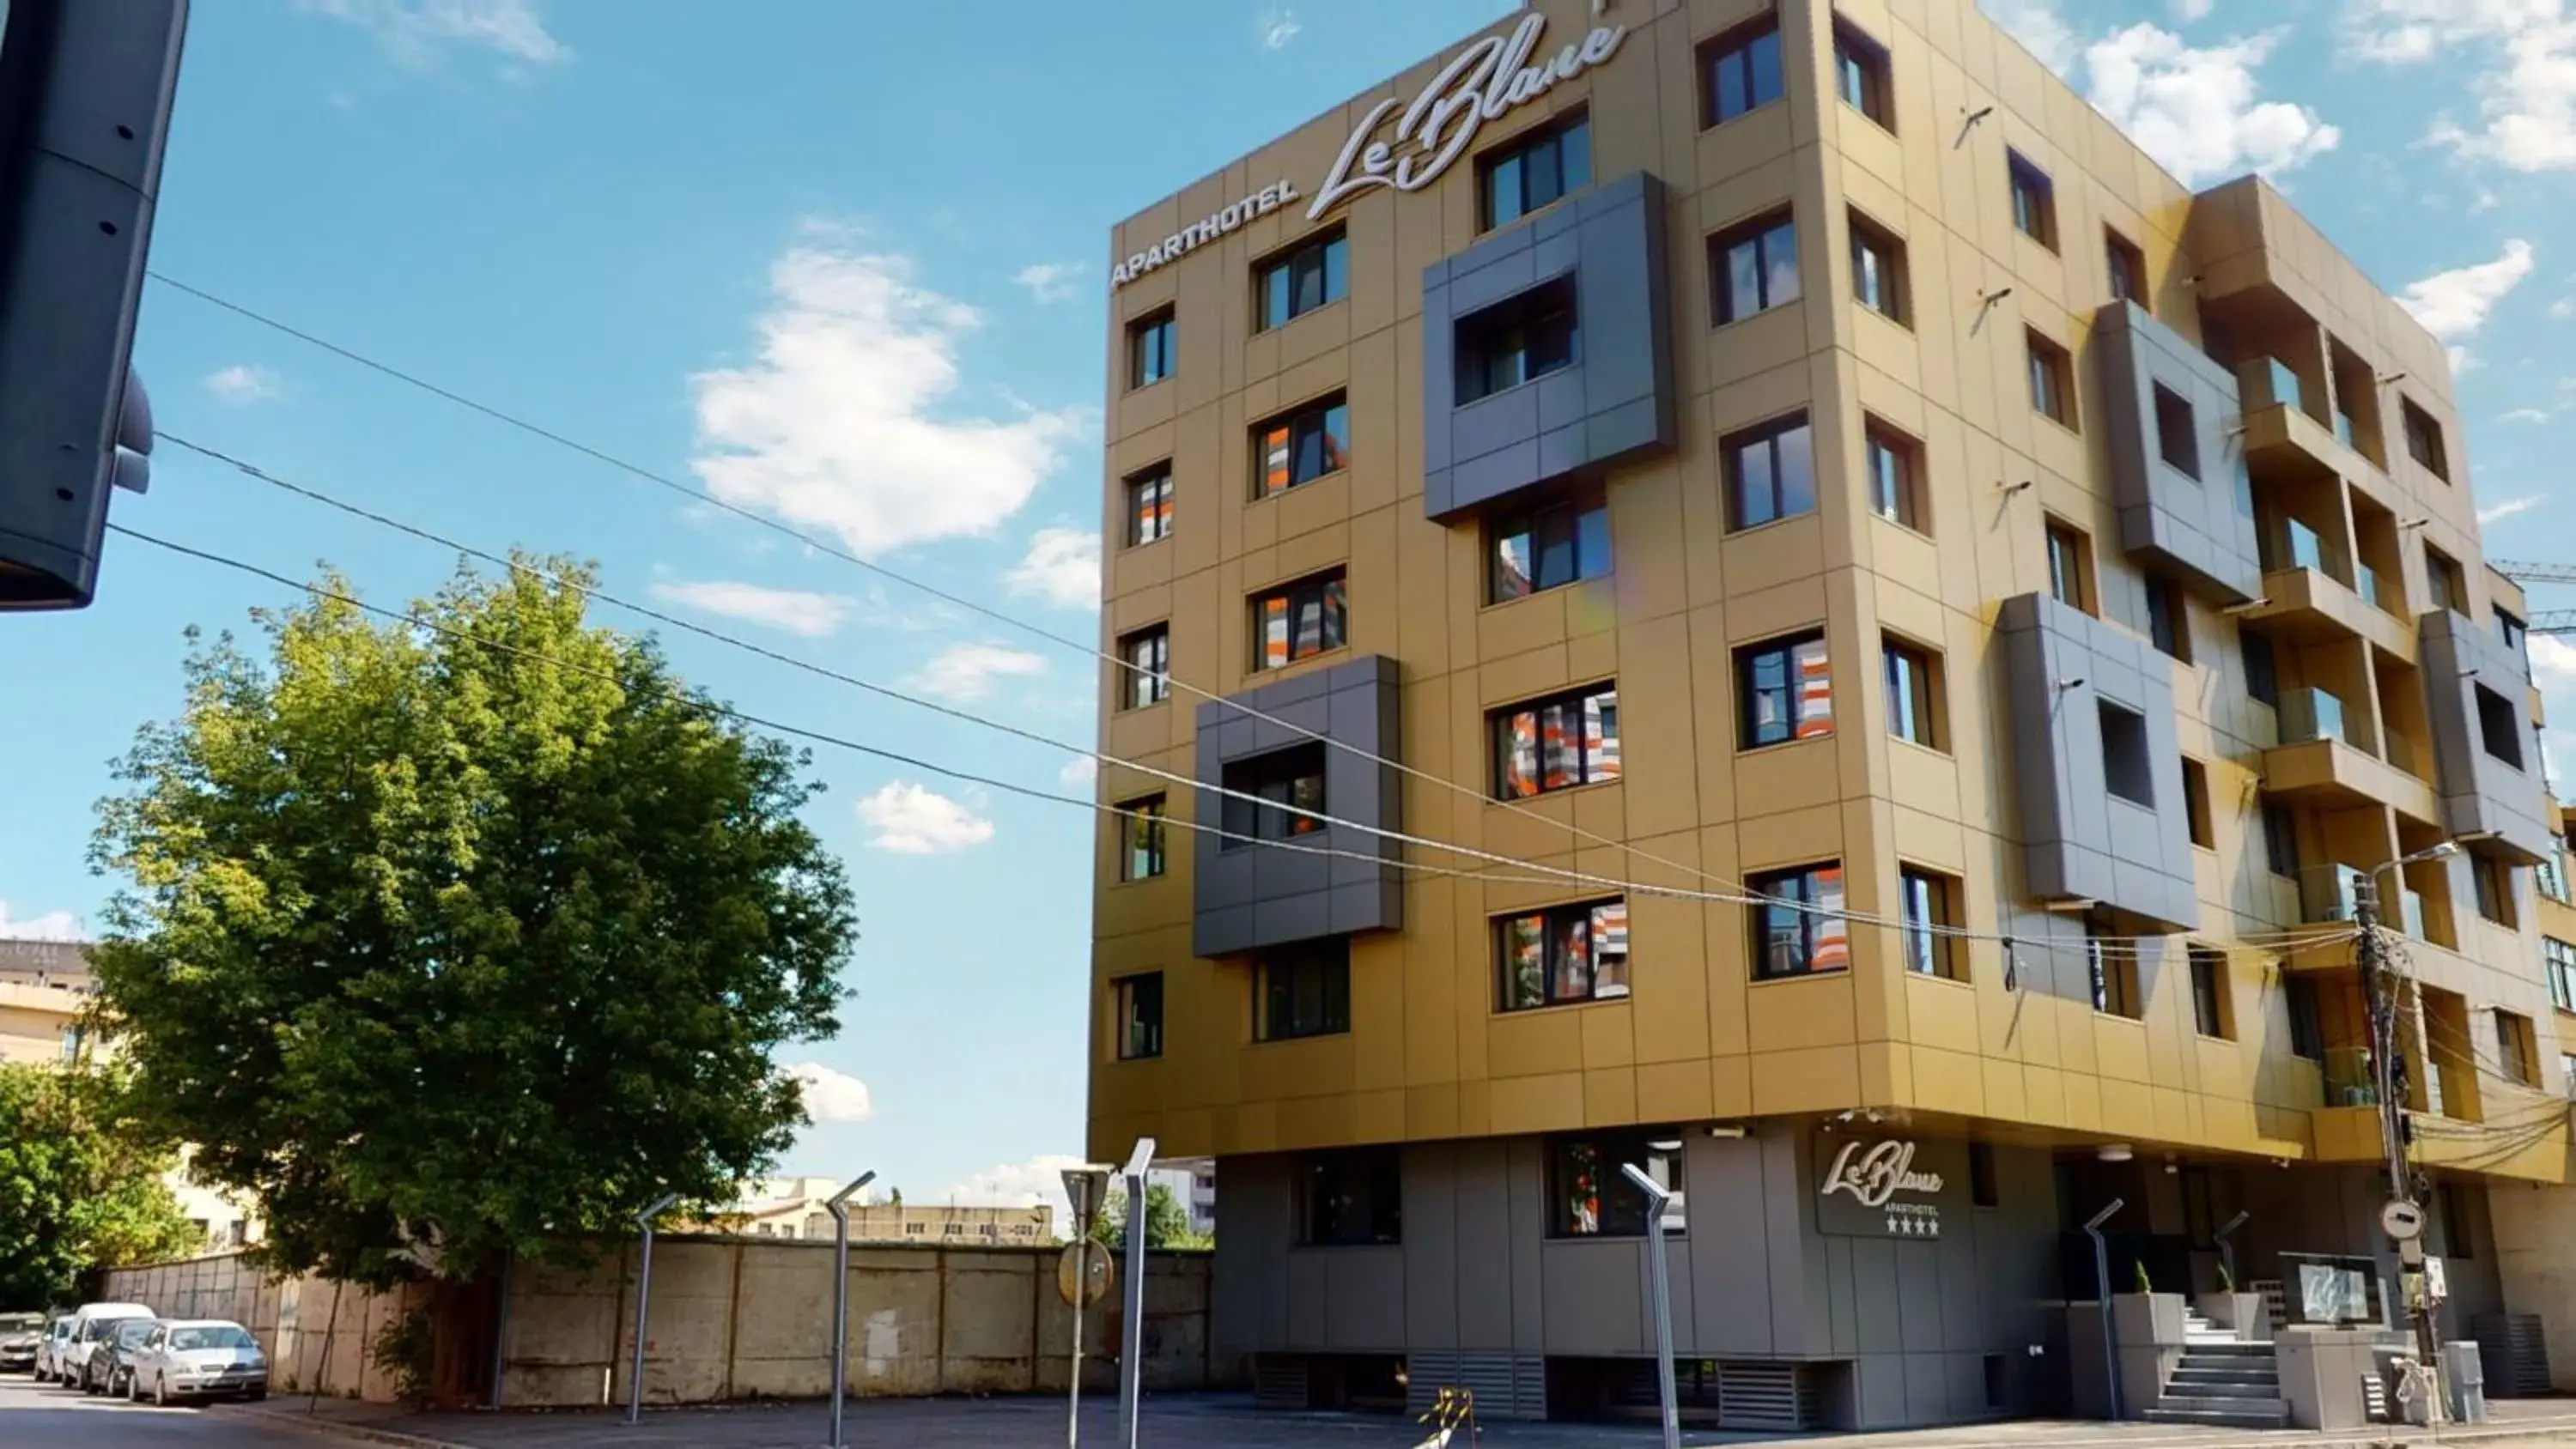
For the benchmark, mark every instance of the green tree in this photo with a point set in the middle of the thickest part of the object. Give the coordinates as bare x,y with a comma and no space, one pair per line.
1167,1223
80,1184
465,935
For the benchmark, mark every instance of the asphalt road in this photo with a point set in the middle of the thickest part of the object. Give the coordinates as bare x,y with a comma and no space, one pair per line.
36,1416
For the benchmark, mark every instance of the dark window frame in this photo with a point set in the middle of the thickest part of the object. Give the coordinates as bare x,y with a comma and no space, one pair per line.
1137,1002
2197,822
1863,78
1781,443
2307,1020
1559,957
1984,1190
2070,565
1914,692
1149,504
1895,486
2128,766
1592,763
1807,918
1145,682
2112,963
1311,441
1330,962
2127,267
2280,840
1150,343
2494,888
1280,794
1564,538
1328,593
1513,342
2517,1047
2213,1009
1743,47
2034,199
2262,669
1879,253
2424,441
2169,618
1590,1197
2499,727
1930,907
1322,256
1790,727
1144,838
2052,380
2558,970
1765,234
1547,148
2177,431
1352,1197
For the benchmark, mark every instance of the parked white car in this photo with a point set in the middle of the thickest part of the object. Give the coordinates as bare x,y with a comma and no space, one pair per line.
198,1359
69,1358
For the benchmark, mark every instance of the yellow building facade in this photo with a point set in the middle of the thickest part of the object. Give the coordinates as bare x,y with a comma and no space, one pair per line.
1692,567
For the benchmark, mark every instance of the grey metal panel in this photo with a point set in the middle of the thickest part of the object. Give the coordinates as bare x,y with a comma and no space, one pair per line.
1364,1298
2079,842
1526,1169
1842,1297
1310,1288
1485,1276
1731,1246
2481,793
1918,1296
1881,1377
1249,1307
1432,1183
1927,1388
1877,1296
2199,530
1595,1295
1611,241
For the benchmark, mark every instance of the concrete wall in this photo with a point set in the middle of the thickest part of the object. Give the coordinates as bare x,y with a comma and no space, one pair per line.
2535,1251
731,1319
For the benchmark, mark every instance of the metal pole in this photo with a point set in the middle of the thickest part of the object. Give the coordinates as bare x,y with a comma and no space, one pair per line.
2379,977
1658,1200
1131,1366
2102,1289
643,1297
1085,1188
838,1206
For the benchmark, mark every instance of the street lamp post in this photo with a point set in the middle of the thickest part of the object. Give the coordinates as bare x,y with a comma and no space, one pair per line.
1131,1366
1658,1199
643,1299
839,1207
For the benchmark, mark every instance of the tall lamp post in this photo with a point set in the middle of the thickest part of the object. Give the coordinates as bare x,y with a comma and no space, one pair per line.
643,1299
839,1207
2379,978
1658,1199
1131,1354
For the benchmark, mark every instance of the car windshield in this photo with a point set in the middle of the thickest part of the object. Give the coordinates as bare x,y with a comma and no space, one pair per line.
106,1327
132,1332
224,1336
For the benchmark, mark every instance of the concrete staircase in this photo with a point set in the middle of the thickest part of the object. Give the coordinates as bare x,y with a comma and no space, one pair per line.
2222,1383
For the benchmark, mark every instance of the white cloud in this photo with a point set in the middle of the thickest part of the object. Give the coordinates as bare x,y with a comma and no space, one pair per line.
2193,108
812,615
911,819
51,926
2499,511
2553,657
243,383
2526,95
1048,281
2040,29
2463,361
1038,1181
832,1096
411,29
2453,305
2529,415
1278,27
2191,10
1062,566
839,424
1078,773
2563,308
966,673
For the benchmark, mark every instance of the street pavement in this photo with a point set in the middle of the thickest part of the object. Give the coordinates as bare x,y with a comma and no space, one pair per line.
43,1417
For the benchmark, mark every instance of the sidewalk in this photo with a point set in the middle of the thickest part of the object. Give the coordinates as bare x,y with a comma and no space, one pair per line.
1229,1420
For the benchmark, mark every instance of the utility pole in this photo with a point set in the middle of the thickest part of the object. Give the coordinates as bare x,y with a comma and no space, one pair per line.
2379,979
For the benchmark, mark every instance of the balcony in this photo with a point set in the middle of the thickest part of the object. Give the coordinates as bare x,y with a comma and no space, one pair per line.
2306,604
2323,760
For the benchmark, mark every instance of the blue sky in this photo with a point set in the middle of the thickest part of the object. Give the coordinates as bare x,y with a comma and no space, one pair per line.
846,263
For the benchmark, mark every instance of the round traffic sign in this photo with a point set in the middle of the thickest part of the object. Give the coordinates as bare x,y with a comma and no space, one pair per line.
1083,1273
2402,1220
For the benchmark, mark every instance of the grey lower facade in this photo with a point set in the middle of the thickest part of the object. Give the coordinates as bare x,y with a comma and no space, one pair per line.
1792,1307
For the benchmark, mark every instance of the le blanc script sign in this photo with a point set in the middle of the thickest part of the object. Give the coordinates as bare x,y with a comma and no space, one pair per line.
1485,82
1884,1189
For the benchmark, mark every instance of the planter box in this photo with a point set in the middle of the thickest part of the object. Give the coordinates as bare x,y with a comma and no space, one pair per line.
2242,1314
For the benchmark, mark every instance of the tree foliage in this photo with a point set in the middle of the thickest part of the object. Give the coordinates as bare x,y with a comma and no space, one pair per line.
466,935
1167,1223
80,1186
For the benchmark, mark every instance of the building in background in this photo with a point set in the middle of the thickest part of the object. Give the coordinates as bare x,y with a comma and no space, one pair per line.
43,987
1919,629
795,1207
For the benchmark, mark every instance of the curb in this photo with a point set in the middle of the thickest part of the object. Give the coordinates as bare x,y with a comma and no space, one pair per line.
315,1424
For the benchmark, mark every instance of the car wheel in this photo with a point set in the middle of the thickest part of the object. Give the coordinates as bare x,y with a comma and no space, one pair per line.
161,1390
134,1388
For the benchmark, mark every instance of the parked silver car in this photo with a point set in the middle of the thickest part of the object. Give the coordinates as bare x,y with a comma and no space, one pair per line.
20,1334
84,1367
111,1363
197,1359
49,1349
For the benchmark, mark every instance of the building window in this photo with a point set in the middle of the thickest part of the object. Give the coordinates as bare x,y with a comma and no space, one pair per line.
2307,1027
1861,74
1878,269
2280,839
2128,267
2169,619
2113,963
2213,1011
1895,464
2499,726
1140,1016
2424,440
1784,690
2052,381
2126,771
2516,636
1301,447
1754,267
1588,1194
2070,566
2516,1048
1550,544
1739,71
1149,349
1798,929
1140,836
2177,440
1149,505
1299,620
2558,963
1770,472
1303,991
1517,340
2034,201
2195,804
1913,693
2495,888
1535,170
1147,657
1932,918
1564,954
1274,796
1557,744
2262,679
72,1039
1982,1188
1313,274
1354,1198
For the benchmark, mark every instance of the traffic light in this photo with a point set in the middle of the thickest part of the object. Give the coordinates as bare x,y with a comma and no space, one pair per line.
85,94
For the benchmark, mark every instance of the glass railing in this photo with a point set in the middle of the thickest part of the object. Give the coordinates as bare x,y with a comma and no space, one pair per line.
2365,582
2276,383
2347,432
2311,714
2410,910
2400,751
2338,896
2350,1082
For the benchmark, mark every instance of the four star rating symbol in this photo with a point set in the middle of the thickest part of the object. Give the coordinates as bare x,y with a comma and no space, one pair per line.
1913,1223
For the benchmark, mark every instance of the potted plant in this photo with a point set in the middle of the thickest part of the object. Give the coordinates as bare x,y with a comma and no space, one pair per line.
2242,1314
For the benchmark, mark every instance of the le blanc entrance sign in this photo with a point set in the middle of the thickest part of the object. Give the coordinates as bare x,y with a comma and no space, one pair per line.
1887,1188
1485,82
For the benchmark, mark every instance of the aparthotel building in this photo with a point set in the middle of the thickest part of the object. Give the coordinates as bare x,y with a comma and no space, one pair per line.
1749,590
